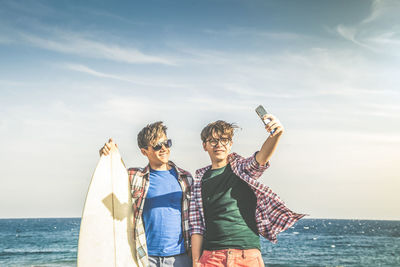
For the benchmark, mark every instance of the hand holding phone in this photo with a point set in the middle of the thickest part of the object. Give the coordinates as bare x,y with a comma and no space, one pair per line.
261,112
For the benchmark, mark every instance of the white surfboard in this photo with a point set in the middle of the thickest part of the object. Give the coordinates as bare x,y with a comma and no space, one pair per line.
106,232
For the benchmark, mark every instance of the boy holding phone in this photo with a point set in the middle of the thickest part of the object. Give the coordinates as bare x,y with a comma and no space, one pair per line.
229,208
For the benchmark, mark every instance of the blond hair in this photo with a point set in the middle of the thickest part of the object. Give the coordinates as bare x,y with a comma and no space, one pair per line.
150,134
220,128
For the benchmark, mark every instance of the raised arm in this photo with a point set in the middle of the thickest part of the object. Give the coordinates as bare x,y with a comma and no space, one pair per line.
270,144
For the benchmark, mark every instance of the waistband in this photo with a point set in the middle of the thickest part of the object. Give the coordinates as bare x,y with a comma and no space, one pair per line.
235,252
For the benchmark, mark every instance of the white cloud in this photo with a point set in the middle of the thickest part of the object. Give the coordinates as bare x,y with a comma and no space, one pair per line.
347,32
377,31
150,81
246,90
87,70
47,37
376,11
245,31
309,73
379,8
72,43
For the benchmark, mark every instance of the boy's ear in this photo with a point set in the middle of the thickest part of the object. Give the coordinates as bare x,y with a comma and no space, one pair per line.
204,146
144,151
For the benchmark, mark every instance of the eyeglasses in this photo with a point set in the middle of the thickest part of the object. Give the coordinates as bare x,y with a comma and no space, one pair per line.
223,141
166,143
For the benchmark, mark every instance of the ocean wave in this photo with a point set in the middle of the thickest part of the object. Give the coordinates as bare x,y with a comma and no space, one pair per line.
15,251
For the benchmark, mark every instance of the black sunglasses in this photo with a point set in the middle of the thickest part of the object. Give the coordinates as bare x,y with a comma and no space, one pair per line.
166,143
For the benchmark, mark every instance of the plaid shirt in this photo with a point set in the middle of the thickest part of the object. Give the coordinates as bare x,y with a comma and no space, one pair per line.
272,216
139,179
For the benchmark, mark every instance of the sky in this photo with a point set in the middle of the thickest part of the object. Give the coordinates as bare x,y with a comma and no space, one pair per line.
74,73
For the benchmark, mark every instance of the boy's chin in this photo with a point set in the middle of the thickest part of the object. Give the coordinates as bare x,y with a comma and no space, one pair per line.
220,156
163,160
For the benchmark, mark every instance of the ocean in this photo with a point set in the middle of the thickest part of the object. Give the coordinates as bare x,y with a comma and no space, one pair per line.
311,242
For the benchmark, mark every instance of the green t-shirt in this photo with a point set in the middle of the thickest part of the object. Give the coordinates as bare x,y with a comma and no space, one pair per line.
229,210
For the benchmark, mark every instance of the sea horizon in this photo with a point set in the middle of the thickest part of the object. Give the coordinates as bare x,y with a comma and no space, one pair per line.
310,242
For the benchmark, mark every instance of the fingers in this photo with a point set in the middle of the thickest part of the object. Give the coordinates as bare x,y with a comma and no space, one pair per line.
106,149
271,125
273,121
274,126
111,142
278,131
268,117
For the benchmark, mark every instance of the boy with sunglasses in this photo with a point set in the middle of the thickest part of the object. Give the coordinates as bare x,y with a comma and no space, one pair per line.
160,197
229,208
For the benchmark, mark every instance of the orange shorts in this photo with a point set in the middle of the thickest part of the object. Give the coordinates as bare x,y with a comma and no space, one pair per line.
231,258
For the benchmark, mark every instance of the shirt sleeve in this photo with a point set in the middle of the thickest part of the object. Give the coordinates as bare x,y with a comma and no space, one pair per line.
251,167
189,178
196,225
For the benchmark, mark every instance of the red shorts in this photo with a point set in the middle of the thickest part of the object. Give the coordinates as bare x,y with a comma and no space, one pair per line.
231,258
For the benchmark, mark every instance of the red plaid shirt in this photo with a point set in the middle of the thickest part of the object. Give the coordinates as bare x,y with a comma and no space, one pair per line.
272,216
139,178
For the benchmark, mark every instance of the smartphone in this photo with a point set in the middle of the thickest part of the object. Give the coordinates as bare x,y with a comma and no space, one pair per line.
260,110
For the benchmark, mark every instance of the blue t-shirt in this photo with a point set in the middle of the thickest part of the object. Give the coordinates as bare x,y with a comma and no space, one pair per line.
162,214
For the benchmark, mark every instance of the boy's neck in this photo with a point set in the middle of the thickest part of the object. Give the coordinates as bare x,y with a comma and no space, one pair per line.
160,167
219,164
